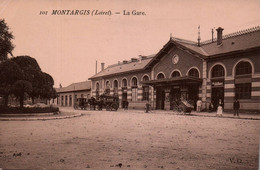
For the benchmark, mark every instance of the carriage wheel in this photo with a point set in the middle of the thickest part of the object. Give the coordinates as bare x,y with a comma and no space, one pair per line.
114,106
108,107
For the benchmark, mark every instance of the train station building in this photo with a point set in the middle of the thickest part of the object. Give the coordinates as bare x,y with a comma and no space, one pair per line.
69,95
217,71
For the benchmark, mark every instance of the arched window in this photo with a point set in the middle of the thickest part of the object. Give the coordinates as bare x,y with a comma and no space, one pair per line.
145,89
218,71
193,73
134,89
160,76
97,89
243,85
175,74
124,83
115,87
243,67
134,82
145,78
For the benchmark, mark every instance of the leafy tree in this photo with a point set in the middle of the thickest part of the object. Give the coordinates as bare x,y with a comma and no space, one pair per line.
20,89
32,73
42,83
6,45
10,72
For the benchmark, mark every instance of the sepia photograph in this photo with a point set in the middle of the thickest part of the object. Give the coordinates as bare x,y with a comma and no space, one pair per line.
129,84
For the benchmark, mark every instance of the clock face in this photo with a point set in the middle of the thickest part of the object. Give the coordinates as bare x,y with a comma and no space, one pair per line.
175,59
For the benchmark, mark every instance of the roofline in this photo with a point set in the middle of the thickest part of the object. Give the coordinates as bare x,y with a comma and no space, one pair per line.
234,52
171,41
131,71
74,90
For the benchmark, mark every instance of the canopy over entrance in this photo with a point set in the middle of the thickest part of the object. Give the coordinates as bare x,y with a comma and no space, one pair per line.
173,81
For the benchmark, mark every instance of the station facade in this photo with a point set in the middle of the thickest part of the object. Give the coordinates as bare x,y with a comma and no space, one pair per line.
217,71
68,96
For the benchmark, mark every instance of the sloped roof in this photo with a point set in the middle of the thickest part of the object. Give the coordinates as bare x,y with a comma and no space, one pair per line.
122,68
85,85
237,41
234,42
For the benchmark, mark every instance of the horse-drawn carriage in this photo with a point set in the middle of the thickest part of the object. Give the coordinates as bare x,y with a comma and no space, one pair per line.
102,101
182,106
81,103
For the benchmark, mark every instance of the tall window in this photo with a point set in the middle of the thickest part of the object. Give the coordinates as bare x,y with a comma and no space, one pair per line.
107,87
115,87
70,100
62,100
124,83
145,89
97,89
134,89
160,76
66,100
175,74
218,71
193,72
243,81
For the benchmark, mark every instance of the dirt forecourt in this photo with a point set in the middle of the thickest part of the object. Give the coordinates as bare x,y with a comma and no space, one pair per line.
130,140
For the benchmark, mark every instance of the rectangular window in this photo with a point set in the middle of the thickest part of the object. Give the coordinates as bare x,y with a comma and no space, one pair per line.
134,94
146,93
66,100
243,91
70,101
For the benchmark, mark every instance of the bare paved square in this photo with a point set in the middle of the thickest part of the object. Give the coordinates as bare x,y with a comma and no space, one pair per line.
130,140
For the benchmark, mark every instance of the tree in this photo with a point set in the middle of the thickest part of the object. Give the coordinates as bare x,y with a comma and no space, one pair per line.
20,89
42,83
6,37
32,73
10,72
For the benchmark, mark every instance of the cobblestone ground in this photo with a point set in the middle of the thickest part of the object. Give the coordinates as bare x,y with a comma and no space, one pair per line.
130,140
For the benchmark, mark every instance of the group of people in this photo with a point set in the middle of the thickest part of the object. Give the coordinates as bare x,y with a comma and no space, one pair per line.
236,106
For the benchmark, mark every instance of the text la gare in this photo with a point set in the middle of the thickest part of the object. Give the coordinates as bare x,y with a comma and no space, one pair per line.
133,12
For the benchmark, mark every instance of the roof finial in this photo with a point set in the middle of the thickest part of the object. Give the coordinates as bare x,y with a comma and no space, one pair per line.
171,36
199,35
212,32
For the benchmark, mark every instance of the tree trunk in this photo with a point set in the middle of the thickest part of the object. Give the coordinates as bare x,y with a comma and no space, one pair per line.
6,100
21,100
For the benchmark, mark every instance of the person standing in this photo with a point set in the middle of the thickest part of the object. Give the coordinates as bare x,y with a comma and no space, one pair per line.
236,107
199,103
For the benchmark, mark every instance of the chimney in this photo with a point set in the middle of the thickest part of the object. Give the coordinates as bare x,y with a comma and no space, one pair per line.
140,58
134,60
102,66
219,35
125,62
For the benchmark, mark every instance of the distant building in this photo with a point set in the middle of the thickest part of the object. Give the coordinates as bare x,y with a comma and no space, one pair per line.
67,96
217,71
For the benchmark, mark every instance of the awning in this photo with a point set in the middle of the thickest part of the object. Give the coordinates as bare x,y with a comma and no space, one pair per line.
174,81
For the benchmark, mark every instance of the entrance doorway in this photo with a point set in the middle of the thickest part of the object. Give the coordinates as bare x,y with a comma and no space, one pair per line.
160,98
175,95
217,95
124,97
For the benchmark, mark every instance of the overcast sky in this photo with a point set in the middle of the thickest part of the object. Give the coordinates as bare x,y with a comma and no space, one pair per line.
67,46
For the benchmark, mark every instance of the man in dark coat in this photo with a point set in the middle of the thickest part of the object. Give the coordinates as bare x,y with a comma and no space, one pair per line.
236,107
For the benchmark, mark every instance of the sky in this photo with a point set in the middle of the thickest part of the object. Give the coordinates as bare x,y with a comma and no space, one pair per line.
68,46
